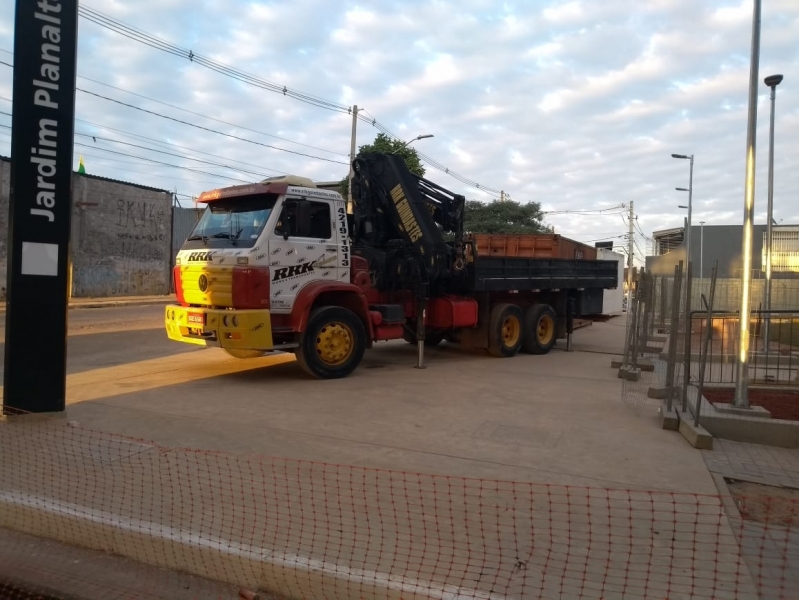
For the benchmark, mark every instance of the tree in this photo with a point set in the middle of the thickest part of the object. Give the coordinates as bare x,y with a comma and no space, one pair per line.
386,145
504,216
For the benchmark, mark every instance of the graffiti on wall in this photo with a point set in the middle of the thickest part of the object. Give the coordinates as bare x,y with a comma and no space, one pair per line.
125,247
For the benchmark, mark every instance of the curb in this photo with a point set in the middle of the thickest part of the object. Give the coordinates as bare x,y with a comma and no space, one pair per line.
113,304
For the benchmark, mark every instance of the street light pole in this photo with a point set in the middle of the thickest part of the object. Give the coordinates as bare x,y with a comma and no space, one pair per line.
418,137
690,191
772,81
741,399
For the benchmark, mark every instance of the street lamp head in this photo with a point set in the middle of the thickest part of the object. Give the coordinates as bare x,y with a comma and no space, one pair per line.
682,206
773,80
418,137
681,189
679,156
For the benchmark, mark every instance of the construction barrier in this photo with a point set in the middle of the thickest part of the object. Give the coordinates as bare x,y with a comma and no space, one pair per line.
220,522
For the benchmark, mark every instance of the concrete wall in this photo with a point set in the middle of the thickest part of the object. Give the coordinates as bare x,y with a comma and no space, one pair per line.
121,237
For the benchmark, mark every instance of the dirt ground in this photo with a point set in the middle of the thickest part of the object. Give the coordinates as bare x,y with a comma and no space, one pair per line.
782,404
766,504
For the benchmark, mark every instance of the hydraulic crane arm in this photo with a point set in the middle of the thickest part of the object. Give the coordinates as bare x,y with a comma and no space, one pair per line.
392,204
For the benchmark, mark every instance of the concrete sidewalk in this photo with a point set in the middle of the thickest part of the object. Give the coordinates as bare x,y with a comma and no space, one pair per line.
75,303
303,525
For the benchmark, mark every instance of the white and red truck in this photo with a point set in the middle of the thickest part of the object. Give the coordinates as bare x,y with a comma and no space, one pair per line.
282,266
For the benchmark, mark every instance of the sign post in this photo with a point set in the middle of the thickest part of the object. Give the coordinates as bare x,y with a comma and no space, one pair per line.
42,130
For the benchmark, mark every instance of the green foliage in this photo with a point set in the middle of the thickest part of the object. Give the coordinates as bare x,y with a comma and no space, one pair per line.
386,145
505,216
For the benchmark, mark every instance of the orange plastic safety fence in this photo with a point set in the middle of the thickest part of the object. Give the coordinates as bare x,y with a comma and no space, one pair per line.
173,522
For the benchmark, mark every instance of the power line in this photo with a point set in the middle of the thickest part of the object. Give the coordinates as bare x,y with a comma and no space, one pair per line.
171,144
152,160
230,135
199,160
166,144
209,118
158,162
141,36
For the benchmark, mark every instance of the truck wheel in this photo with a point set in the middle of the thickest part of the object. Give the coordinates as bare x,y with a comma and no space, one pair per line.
505,330
333,344
540,328
240,353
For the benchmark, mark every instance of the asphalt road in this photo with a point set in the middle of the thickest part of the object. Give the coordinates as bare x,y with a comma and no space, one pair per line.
106,337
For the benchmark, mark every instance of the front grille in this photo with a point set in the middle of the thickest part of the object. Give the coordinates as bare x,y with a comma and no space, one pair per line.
217,281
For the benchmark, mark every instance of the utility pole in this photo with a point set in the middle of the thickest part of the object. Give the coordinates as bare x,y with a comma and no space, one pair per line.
502,195
630,246
352,156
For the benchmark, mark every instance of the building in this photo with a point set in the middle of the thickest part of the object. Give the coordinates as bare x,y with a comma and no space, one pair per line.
120,239
723,243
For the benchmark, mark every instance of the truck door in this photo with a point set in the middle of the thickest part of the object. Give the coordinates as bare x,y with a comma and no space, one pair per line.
302,248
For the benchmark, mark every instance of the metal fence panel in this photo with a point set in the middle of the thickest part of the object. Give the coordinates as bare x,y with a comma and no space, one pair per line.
183,222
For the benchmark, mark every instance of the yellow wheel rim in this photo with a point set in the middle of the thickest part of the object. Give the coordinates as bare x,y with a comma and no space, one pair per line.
546,329
334,344
511,331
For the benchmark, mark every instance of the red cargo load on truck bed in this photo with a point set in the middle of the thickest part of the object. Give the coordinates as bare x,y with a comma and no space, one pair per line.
531,245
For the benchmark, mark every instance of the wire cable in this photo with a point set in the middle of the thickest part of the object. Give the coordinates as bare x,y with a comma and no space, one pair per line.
210,118
141,36
229,135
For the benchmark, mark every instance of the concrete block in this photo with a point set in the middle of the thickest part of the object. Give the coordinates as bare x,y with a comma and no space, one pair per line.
658,392
646,365
653,348
668,418
616,364
752,411
696,435
629,373
754,430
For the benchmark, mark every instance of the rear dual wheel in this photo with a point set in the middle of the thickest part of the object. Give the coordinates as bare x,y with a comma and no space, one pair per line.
511,330
505,330
540,331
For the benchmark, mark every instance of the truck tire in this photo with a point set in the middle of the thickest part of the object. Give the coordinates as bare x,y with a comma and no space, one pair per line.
332,344
240,353
540,329
505,330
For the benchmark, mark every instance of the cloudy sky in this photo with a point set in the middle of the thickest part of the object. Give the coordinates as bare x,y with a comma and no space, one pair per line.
576,105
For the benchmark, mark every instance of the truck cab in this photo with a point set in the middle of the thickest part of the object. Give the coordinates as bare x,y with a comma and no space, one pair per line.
256,252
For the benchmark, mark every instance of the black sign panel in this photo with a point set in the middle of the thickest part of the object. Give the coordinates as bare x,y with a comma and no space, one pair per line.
42,128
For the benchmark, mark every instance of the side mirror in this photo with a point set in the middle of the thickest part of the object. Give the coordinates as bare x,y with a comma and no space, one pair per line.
285,235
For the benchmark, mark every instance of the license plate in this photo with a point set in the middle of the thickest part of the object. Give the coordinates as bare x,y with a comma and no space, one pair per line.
195,318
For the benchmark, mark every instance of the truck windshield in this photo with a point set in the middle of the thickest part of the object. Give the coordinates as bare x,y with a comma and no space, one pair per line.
233,222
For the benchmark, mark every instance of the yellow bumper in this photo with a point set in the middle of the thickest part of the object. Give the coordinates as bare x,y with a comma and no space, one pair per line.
234,329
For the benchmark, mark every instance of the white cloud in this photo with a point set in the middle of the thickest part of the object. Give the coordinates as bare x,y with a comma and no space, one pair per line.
574,104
